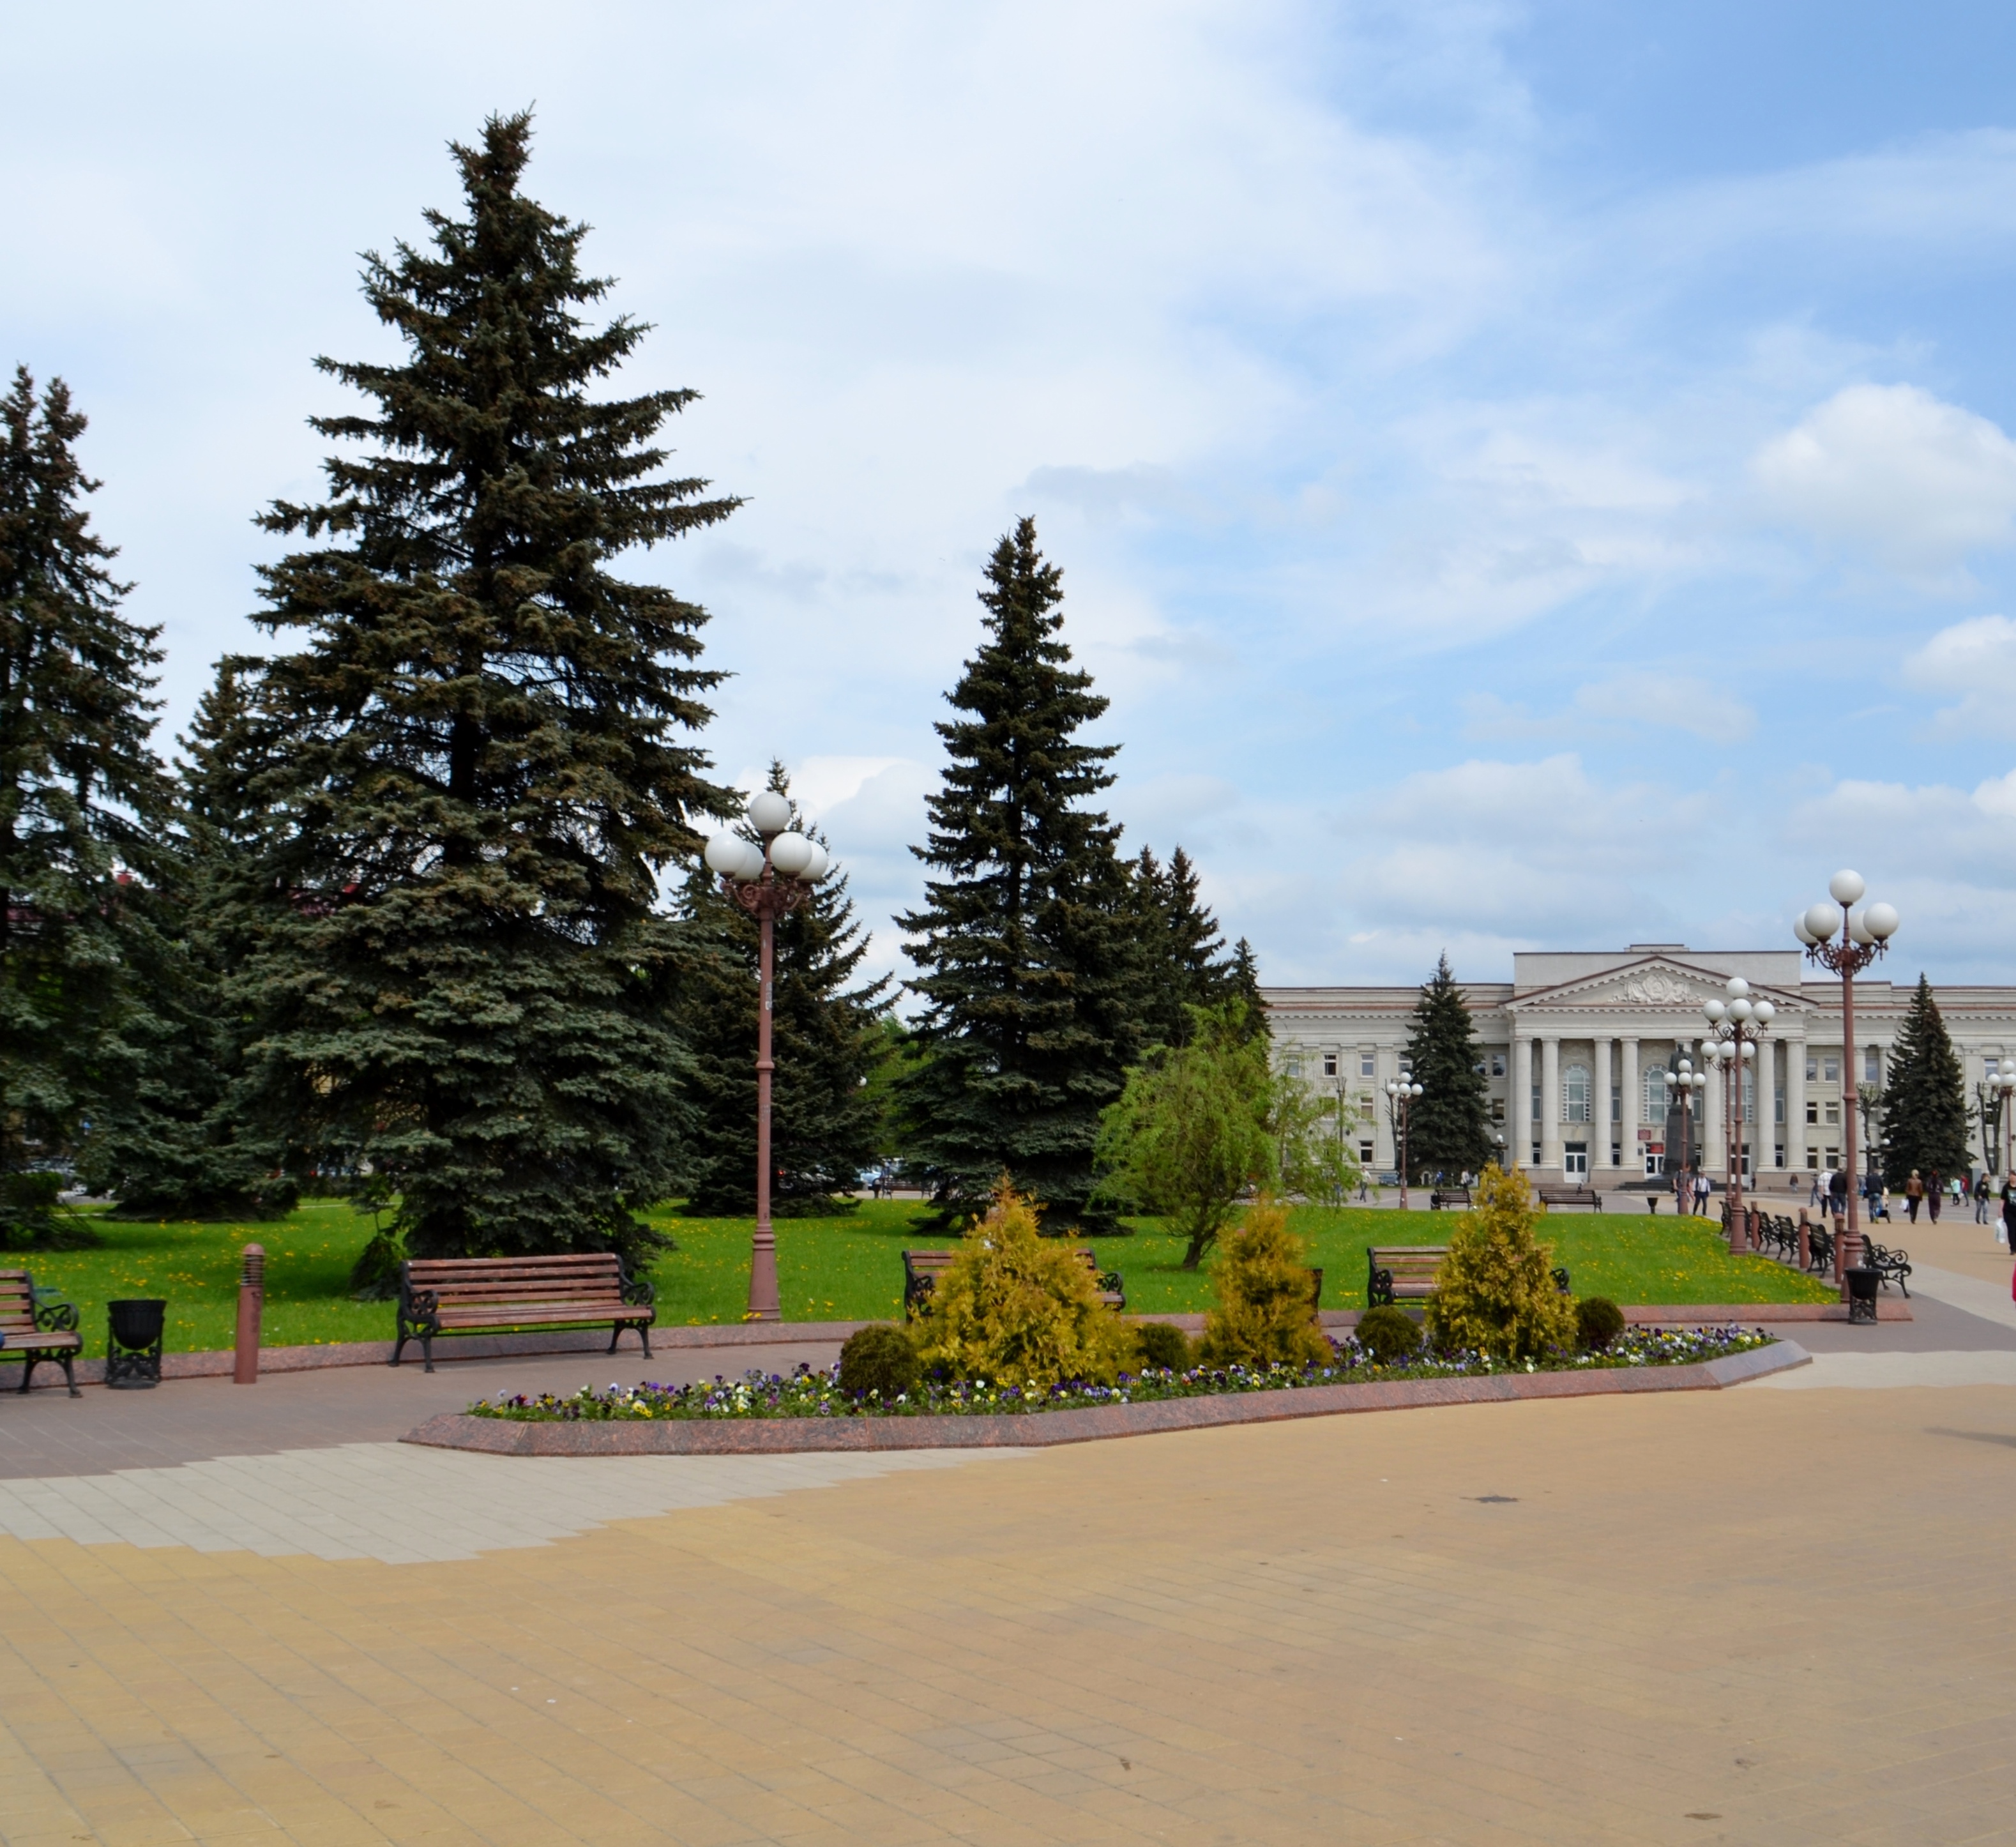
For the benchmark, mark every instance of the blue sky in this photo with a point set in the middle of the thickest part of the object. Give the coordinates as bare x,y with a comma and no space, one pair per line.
1526,476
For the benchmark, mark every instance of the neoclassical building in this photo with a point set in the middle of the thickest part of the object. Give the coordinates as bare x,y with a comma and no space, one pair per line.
1577,1044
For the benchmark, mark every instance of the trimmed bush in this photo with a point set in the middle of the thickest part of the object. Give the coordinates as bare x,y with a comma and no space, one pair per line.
1262,1283
1497,1294
1017,1309
1390,1335
879,1360
1164,1344
1598,1322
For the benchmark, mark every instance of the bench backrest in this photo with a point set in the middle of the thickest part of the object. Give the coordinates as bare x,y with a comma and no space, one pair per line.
1410,1263
935,1263
17,1306
586,1277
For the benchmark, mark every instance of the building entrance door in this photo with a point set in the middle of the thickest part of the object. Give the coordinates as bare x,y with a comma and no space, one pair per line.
1655,1161
1575,1161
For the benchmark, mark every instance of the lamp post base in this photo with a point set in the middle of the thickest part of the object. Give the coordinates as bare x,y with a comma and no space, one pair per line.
763,1303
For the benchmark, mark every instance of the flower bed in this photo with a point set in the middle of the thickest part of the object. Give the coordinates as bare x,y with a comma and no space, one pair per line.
807,1393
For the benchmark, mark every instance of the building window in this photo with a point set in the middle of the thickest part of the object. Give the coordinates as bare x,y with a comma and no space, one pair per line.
1778,1112
1366,1152
1812,1160
1812,1109
1575,1093
1833,1157
1750,1096
1498,1064
1830,1070
1330,1064
1990,1065
1872,1066
1812,1067
1498,1109
1406,1065
1655,1096
1367,1064
1293,1066
1536,1108
1833,1113
1617,1101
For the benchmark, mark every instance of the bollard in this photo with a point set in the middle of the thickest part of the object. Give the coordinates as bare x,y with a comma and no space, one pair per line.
251,1298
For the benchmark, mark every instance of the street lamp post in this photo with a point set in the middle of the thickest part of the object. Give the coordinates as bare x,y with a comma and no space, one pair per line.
1739,1024
767,881
1993,1099
1865,931
1400,1093
1683,1076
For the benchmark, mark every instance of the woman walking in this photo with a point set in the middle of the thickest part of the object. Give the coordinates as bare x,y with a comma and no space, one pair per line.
1914,1196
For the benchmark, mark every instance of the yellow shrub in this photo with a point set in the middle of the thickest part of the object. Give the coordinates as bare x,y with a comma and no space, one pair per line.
1262,1283
1018,1309
1496,1292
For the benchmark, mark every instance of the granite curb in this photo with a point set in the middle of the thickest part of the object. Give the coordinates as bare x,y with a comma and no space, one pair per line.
495,1436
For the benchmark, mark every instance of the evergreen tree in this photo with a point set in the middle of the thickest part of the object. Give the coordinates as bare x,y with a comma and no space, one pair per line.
83,801
827,1039
1242,984
473,766
1184,955
1924,1104
1449,1124
175,1141
1030,941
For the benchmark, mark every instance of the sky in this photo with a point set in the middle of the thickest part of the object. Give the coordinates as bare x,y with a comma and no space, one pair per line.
1525,476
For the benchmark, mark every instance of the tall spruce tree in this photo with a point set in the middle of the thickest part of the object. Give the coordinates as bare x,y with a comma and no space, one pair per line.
176,1140
1030,941
1242,984
84,802
1449,1124
1924,1102
474,764
1184,956
827,1039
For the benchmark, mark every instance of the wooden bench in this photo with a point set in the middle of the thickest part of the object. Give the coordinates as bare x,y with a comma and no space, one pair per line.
922,1269
36,1325
1551,1197
1409,1273
492,1294
1455,1199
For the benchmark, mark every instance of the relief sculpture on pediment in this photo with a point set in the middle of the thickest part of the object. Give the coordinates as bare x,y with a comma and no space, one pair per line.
1658,989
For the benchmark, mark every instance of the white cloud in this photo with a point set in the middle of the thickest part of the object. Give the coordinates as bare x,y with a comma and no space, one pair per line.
1892,473
1675,700
1975,660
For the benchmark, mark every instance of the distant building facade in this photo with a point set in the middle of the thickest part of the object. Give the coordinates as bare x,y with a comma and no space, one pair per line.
1575,1049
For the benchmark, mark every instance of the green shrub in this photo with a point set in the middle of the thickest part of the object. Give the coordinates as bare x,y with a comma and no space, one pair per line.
1496,1292
1264,1315
1164,1344
1598,1322
1391,1335
1021,1309
880,1360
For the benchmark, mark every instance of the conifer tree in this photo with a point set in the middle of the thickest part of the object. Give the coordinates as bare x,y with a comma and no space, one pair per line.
479,755
1185,958
83,800
1449,1124
826,1038
1029,941
1924,1104
176,1140
1242,984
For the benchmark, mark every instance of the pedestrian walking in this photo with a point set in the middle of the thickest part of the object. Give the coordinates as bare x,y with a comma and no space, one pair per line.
1981,1197
1702,1189
2009,1212
1914,1196
1935,1190
1838,1193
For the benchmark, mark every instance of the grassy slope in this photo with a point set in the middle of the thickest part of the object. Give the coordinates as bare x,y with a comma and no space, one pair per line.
838,1270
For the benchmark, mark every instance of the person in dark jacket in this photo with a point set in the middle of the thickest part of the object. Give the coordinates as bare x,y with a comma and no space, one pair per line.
1837,1193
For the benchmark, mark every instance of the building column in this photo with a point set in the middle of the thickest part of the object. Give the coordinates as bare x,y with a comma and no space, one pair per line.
1627,1082
1795,1105
1519,1117
1599,1109
1550,1104
1769,1133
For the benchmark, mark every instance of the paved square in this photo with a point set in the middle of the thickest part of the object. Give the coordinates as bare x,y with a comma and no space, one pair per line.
1757,1616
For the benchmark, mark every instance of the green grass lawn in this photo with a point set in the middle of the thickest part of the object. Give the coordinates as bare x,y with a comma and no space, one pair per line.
849,1268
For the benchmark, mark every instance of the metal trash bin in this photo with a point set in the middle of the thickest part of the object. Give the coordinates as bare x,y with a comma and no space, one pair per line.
133,1345
1862,1282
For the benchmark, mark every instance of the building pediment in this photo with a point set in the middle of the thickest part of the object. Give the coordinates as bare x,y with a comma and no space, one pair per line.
1656,984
